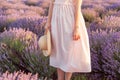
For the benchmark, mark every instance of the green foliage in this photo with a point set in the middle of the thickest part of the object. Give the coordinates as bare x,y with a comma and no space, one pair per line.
79,77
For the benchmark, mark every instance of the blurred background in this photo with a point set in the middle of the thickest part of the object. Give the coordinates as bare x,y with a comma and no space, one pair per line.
22,23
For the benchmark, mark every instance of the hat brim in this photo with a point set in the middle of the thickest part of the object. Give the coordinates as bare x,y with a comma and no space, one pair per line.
48,51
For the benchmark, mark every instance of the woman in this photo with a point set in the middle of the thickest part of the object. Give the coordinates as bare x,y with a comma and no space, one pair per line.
70,42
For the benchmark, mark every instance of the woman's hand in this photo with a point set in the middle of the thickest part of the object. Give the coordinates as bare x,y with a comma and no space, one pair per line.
76,34
47,27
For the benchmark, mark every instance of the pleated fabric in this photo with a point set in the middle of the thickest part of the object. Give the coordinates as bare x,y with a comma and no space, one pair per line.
67,54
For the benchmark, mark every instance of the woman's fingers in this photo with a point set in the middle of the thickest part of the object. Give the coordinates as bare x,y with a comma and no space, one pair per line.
76,37
76,34
47,28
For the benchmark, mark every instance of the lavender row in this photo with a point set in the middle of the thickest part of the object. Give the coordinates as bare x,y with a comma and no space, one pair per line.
19,51
9,7
93,11
34,24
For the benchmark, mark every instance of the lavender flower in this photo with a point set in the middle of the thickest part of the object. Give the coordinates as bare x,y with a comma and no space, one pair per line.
19,75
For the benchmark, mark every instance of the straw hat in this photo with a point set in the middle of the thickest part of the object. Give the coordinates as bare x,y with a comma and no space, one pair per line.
44,43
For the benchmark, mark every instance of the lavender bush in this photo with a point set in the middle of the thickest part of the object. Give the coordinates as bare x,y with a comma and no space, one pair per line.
35,25
114,6
19,75
116,14
10,8
31,2
103,8
89,15
105,48
19,51
111,21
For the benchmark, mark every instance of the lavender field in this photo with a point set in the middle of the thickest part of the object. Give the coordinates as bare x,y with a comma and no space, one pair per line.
22,23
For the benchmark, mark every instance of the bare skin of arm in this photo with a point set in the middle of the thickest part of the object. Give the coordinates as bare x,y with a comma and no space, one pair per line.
48,23
76,33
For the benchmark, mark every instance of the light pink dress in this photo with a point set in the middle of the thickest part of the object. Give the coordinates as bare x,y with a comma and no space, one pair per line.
67,54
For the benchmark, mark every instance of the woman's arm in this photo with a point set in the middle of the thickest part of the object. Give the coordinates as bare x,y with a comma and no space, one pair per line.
77,6
77,12
48,24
